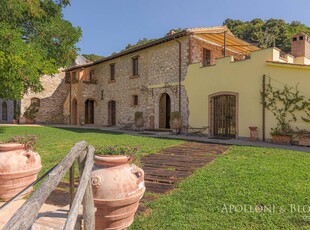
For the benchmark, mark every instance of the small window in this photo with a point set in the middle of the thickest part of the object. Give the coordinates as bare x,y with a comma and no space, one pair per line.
67,77
74,77
135,62
294,39
135,100
35,102
91,75
206,57
4,111
112,72
301,37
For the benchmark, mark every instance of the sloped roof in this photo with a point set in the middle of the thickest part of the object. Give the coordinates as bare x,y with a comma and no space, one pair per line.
215,34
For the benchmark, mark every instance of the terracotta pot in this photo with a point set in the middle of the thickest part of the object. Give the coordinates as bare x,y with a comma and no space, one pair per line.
176,123
18,169
15,122
282,140
304,140
118,187
253,133
139,122
28,121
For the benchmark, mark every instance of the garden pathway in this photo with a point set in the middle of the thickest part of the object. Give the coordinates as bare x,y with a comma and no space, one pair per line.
162,170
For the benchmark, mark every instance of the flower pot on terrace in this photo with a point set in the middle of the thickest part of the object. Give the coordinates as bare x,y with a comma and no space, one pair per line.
18,169
304,140
282,139
118,187
175,123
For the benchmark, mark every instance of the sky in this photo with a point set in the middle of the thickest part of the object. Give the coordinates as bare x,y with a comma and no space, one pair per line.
108,26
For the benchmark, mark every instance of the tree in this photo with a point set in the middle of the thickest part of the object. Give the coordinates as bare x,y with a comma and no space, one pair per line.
34,40
273,32
92,57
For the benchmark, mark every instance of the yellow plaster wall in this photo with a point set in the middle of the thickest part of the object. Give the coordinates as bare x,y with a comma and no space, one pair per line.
244,78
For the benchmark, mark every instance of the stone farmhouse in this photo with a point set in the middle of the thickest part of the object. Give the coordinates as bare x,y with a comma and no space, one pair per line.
213,78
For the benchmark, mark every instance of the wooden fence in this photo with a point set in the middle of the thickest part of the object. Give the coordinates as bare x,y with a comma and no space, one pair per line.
27,214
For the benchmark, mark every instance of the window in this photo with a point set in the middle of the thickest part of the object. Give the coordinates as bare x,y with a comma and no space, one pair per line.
301,37
135,100
74,77
35,102
112,72
294,39
91,75
4,111
206,57
135,66
68,77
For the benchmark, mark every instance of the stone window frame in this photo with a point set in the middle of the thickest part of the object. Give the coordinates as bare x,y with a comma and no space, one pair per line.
135,66
112,73
35,102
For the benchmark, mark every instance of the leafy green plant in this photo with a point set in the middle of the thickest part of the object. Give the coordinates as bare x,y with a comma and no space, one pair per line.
302,133
175,115
28,141
138,115
284,103
30,113
117,150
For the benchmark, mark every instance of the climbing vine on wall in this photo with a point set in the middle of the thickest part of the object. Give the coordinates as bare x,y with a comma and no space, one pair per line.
284,103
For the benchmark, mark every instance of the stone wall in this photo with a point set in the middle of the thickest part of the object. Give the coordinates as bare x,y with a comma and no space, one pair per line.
9,104
157,65
52,99
198,44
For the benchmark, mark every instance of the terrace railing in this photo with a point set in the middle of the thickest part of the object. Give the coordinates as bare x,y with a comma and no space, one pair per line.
27,214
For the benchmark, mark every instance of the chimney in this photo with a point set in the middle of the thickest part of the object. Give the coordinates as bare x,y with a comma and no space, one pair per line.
300,45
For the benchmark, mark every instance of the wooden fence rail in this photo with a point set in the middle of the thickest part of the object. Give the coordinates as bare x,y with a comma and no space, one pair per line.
28,212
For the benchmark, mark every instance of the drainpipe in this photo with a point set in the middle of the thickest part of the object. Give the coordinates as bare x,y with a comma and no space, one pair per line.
225,44
180,74
264,107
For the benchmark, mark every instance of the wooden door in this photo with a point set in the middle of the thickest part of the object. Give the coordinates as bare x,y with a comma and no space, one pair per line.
164,111
224,116
89,111
74,112
112,113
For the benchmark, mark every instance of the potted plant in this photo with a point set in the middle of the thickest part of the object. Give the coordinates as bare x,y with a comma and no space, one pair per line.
253,133
175,120
282,134
118,186
21,168
139,121
16,115
30,114
303,136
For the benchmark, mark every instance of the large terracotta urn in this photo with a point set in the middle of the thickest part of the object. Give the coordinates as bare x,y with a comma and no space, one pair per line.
18,169
118,187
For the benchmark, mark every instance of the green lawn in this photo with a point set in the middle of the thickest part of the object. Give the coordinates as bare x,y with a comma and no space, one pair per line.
55,143
216,196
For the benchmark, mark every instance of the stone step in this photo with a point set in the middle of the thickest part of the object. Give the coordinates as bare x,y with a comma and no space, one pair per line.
50,217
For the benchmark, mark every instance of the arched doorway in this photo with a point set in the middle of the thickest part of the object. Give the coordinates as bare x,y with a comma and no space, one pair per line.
89,111
74,112
164,111
112,113
224,115
4,111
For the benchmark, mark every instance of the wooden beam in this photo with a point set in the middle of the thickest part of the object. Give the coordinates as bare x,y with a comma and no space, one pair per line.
84,182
